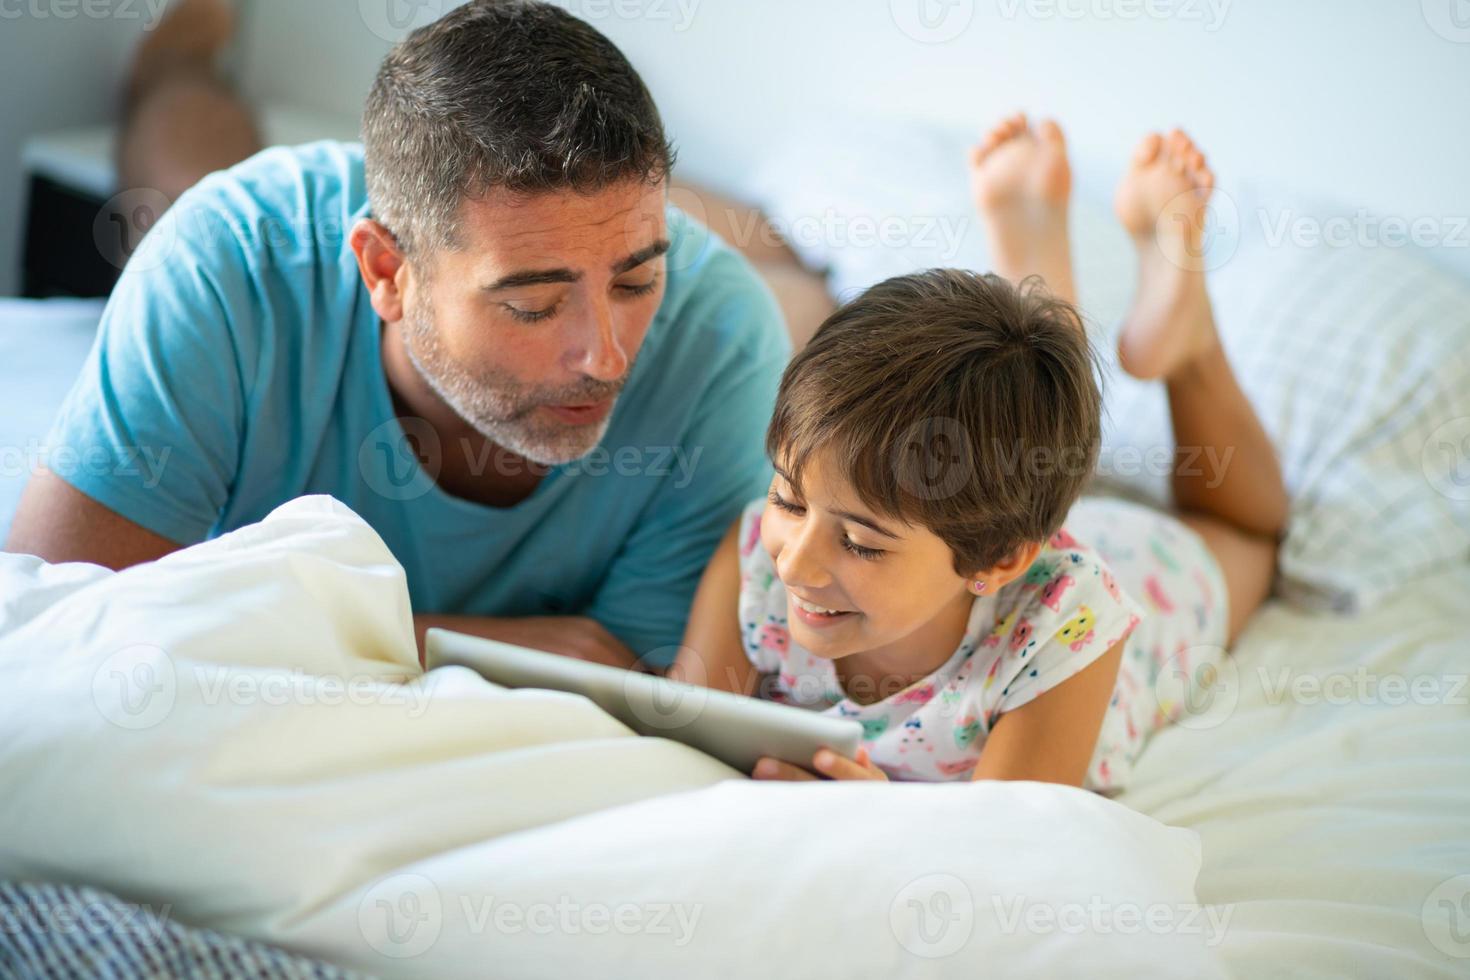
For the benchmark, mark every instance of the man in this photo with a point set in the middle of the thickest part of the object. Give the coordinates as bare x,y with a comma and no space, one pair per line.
483,330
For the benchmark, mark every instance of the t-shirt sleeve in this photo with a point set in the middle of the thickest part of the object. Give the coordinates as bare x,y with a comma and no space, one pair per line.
1071,612
646,597
151,429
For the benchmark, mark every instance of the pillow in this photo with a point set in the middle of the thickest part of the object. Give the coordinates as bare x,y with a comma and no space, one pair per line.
1355,352
240,732
1357,359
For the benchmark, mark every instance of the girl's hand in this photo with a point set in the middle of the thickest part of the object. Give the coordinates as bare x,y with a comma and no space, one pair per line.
828,764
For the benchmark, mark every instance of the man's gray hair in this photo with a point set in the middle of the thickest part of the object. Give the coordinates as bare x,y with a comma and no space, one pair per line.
513,94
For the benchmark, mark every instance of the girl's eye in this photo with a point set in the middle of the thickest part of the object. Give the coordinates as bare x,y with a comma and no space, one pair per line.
532,316
780,503
866,554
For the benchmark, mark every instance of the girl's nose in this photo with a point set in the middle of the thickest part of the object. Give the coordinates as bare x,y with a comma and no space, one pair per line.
801,561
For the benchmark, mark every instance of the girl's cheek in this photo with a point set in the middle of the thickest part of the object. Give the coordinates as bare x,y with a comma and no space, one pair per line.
772,533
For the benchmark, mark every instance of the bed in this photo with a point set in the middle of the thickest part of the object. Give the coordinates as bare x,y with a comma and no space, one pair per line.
1309,815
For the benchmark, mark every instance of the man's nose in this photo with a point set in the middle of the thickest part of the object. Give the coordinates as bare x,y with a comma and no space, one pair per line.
603,356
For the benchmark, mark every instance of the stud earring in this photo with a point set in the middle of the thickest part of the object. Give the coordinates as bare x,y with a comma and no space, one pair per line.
979,587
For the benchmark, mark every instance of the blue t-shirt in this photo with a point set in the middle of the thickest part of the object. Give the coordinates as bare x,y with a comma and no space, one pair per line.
238,366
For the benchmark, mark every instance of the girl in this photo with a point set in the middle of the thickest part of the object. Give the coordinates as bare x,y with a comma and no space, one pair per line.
923,562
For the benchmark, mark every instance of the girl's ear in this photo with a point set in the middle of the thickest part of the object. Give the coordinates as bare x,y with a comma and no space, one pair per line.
1008,569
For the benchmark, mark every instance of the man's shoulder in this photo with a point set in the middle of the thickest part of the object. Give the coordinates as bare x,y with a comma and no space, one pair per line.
715,300
253,259
283,199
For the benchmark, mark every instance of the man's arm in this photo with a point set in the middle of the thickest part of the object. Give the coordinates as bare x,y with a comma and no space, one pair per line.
570,636
58,523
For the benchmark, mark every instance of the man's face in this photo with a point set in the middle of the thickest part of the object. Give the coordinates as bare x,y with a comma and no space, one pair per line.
529,329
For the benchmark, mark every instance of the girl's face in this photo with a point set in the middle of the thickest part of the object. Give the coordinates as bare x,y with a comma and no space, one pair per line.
855,582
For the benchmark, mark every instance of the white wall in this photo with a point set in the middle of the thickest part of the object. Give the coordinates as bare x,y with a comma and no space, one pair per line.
1360,101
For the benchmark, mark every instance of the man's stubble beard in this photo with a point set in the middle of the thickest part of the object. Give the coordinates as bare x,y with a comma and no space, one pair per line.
502,409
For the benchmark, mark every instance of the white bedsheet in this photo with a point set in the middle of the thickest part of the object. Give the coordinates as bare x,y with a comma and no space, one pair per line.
1333,799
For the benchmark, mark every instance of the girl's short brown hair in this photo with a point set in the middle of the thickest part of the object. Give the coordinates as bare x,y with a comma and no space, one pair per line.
950,400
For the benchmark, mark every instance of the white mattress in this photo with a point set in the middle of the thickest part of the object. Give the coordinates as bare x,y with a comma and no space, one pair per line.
1334,810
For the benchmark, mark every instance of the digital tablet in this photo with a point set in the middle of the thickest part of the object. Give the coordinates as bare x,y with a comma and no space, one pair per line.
735,729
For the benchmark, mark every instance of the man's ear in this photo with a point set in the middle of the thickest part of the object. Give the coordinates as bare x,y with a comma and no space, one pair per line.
1009,568
383,266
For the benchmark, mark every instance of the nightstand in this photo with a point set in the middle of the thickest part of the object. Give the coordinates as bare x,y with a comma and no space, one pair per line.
75,229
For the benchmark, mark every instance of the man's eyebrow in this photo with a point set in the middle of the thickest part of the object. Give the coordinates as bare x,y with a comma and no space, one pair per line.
532,277
641,256
542,277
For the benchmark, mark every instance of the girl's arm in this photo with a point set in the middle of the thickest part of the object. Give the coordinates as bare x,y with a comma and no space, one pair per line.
1052,738
713,652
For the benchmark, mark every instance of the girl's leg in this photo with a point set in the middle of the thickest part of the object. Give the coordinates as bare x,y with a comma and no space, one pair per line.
1226,481
181,120
1022,183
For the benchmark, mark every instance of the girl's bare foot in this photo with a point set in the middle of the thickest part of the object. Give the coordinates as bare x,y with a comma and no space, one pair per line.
181,119
1162,203
190,38
1022,183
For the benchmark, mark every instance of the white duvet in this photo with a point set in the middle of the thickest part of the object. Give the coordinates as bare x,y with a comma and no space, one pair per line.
239,736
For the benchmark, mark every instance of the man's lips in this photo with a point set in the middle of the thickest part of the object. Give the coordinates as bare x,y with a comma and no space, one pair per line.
586,414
